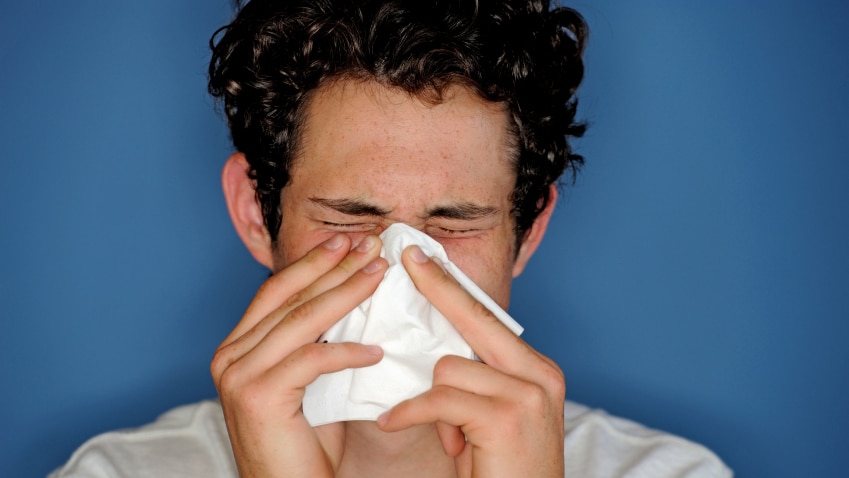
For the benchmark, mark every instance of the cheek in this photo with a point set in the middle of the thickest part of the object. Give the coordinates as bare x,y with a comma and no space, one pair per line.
293,243
489,267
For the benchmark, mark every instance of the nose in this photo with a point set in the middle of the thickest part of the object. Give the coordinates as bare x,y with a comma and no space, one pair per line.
357,237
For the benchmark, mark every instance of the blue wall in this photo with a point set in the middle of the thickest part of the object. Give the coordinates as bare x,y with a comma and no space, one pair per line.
695,278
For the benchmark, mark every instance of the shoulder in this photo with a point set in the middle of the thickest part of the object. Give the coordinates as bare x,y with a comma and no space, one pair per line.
190,440
600,445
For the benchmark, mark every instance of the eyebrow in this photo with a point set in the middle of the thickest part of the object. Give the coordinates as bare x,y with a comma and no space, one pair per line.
351,207
463,211
355,207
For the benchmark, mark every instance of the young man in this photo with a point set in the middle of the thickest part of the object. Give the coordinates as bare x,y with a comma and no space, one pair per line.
349,116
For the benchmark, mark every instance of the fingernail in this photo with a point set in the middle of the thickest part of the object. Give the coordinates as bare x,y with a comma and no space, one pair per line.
374,350
372,266
383,418
418,255
365,244
334,242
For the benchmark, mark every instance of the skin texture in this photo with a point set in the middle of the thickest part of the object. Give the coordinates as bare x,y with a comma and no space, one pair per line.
370,157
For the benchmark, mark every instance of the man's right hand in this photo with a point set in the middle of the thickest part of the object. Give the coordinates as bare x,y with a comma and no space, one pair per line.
263,366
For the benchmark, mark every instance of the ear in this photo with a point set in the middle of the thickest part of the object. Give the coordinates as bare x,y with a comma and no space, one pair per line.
245,211
533,236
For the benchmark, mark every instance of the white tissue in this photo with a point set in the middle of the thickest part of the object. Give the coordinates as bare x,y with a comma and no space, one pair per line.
412,333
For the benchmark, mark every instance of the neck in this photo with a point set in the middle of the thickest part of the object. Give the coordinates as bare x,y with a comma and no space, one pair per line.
410,453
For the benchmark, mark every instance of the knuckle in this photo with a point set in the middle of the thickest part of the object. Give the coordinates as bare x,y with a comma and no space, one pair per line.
554,380
221,361
445,366
295,300
301,312
311,353
440,395
527,397
229,382
348,266
480,310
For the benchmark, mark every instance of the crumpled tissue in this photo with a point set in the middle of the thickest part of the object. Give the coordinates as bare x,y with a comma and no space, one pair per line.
412,333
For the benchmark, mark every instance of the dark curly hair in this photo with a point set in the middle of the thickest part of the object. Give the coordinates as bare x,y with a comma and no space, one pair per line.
521,53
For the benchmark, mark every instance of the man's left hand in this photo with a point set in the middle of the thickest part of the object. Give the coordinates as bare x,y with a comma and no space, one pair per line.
499,417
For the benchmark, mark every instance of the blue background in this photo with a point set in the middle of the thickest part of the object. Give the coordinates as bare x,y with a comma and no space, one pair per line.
694,279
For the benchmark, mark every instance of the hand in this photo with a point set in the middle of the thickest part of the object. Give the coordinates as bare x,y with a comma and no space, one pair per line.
502,417
262,367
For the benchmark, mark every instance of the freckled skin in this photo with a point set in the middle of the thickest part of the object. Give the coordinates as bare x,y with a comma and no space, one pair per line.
367,142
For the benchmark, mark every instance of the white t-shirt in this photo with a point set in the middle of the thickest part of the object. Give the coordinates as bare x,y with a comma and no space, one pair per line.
192,441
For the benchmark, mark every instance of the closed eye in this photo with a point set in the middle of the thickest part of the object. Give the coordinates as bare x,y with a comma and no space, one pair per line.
352,226
444,232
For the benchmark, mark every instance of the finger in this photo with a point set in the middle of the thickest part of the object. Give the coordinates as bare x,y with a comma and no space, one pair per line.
282,385
493,342
452,438
481,379
303,366
359,258
448,405
290,280
306,322
473,376
494,427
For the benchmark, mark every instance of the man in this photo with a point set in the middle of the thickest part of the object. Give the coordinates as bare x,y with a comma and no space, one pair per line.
452,117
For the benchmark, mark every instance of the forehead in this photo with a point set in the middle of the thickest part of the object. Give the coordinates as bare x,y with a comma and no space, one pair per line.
357,126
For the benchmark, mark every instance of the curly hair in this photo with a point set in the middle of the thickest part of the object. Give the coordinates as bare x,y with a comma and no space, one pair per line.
520,53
